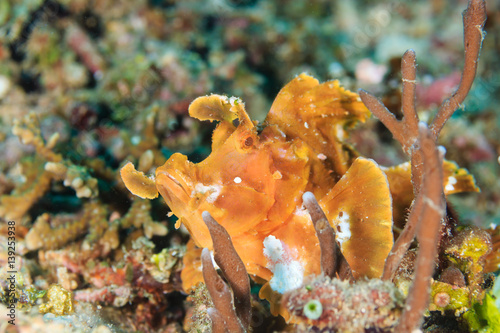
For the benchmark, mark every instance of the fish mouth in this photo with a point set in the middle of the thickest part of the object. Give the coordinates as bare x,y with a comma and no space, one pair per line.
173,188
174,183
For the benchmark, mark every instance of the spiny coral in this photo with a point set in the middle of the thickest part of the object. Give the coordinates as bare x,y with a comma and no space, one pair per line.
52,232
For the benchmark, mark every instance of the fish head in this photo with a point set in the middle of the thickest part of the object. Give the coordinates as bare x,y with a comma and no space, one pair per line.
234,183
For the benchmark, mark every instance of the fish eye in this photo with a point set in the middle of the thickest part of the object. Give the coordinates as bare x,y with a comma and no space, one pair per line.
248,142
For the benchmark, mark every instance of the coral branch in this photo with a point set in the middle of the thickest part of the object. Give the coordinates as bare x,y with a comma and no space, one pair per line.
224,315
232,266
68,228
326,235
218,324
474,18
332,261
409,77
426,165
345,271
403,242
405,131
28,131
432,203
378,108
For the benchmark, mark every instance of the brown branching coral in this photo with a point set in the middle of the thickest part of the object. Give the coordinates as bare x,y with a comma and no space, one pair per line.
406,131
226,316
54,231
474,18
223,314
326,235
430,205
419,143
333,262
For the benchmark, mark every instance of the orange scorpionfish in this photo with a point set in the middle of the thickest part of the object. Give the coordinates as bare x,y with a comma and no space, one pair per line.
253,181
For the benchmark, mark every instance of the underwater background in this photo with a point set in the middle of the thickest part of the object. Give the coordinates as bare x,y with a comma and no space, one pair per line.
86,86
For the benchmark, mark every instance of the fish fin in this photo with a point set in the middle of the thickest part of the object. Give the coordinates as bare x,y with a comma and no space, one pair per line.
138,183
359,207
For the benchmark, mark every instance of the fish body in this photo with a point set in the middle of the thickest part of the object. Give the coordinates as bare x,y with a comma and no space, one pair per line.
253,181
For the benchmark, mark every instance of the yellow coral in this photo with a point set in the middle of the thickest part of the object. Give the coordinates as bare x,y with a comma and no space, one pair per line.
43,236
60,301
